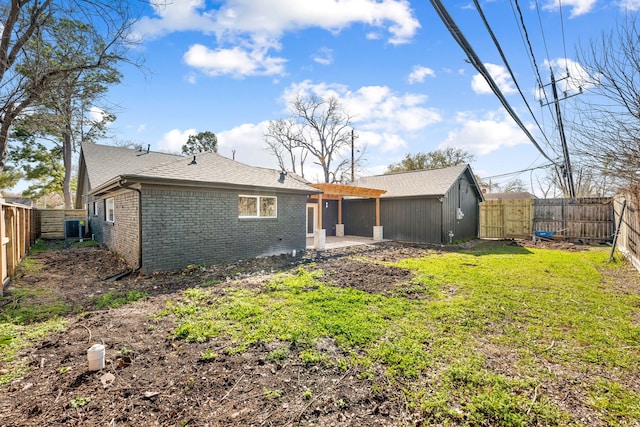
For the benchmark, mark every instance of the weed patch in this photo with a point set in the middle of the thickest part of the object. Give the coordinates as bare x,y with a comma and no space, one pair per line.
115,299
534,306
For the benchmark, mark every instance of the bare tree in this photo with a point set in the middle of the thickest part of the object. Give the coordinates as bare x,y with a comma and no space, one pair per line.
516,185
317,127
609,124
25,23
283,140
550,184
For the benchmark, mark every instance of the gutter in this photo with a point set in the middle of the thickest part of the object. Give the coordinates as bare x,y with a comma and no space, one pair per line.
123,180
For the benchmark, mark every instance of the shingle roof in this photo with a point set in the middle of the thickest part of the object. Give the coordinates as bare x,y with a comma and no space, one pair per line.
429,182
213,168
106,163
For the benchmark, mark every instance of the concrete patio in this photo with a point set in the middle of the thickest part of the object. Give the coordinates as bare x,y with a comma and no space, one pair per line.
333,242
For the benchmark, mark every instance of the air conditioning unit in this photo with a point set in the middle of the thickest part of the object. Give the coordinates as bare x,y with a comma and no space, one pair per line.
74,228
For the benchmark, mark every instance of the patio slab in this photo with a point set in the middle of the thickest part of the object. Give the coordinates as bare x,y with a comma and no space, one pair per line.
334,242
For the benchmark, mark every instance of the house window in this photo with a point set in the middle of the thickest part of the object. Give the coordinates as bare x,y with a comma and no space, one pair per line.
95,208
257,207
109,210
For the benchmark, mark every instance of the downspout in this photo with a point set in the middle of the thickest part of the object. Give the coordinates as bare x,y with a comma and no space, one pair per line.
139,228
122,183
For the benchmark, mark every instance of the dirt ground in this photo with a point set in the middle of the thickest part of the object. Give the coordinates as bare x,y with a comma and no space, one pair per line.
151,379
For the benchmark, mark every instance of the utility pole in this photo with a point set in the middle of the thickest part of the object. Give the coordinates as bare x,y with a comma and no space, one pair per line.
353,160
567,172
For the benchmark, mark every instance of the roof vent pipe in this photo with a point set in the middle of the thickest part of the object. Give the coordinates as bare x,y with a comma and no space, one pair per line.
282,175
148,147
193,162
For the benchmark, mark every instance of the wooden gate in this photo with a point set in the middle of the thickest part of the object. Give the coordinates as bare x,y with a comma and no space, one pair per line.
584,219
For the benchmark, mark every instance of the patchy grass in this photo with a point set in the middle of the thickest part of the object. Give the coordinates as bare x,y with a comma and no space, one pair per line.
15,337
475,351
85,244
38,247
23,306
115,299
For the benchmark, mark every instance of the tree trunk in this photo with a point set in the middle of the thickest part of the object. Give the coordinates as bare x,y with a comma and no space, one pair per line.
66,155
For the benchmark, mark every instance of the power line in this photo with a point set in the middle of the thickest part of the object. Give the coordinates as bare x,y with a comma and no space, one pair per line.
564,41
544,39
536,69
479,66
547,165
506,63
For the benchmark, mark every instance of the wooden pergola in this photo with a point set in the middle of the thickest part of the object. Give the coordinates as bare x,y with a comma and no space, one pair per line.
338,191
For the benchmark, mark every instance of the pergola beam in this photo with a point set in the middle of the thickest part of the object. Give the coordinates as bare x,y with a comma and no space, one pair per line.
338,191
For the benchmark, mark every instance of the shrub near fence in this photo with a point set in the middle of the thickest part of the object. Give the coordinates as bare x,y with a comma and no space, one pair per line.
585,219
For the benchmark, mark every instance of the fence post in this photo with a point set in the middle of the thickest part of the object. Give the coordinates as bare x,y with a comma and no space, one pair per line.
615,235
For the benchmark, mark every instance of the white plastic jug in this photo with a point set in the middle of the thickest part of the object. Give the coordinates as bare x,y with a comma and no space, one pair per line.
95,356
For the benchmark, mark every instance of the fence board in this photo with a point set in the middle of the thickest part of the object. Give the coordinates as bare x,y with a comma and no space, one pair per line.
51,221
16,235
585,219
629,233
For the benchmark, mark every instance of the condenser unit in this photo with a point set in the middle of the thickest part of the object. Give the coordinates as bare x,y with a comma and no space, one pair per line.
74,228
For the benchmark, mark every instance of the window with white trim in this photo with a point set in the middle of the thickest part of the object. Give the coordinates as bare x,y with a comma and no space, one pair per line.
109,210
257,206
95,208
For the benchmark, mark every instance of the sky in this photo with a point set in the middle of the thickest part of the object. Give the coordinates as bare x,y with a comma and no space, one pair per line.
231,66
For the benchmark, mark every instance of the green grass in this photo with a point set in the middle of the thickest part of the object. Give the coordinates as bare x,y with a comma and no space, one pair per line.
113,299
531,307
85,244
38,247
23,308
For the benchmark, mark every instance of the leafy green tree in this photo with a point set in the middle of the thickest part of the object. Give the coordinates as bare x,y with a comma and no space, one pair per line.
41,165
60,116
201,142
432,160
25,50
9,177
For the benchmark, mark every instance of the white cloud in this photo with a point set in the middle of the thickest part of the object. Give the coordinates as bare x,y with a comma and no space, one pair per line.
173,140
630,5
499,74
419,73
374,108
248,143
247,30
578,7
176,15
235,61
97,115
485,135
191,78
323,56
578,78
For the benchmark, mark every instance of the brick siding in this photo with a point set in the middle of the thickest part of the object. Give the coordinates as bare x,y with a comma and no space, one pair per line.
122,235
183,227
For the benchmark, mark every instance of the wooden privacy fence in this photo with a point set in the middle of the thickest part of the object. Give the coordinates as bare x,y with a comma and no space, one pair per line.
18,234
584,219
628,234
50,223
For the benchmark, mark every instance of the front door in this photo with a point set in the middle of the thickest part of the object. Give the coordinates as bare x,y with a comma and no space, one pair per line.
312,221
